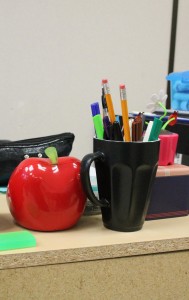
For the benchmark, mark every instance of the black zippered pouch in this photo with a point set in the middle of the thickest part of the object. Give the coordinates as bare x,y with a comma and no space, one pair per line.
13,152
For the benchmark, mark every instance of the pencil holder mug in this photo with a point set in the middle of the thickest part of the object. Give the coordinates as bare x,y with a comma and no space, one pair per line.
125,175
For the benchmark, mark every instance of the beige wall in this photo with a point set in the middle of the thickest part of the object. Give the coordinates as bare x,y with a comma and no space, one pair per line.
54,53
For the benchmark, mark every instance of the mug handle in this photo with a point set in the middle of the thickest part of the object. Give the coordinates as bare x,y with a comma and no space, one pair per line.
85,178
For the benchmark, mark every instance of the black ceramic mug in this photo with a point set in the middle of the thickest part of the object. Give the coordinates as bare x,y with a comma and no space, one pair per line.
125,174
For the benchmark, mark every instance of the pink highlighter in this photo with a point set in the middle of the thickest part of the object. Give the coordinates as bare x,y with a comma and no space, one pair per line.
168,146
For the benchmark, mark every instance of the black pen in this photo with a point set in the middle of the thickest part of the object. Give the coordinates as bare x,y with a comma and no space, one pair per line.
106,120
107,125
115,132
104,104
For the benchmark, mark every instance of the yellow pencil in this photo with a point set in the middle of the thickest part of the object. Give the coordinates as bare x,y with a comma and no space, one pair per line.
108,100
125,113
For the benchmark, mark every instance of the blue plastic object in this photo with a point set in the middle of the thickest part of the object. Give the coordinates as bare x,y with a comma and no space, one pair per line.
179,90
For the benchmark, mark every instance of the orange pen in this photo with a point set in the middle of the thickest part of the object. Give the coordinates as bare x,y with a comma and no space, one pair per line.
125,114
108,100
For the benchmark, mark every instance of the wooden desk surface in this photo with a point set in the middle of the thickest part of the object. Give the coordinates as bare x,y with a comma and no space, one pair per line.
90,240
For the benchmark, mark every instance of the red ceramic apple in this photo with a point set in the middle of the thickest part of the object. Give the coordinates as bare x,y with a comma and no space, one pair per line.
46,194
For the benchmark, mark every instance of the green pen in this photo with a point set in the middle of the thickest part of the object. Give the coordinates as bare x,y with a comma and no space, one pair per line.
97,120
156,128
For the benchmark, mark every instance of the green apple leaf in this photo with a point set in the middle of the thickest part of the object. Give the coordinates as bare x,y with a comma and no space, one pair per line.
52,154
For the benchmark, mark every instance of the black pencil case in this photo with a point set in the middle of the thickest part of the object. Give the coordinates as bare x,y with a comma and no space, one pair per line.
13,152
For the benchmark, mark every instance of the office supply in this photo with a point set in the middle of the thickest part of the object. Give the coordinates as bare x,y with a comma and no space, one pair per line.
134,131
125,114
181,127
172,119
156,128
107,124
115,132
108,100
106,121
147,132
183,117
95,109
125,173
130,127
137,129
168,146
16,240
97,120
12,153
104,105
118,119
143,119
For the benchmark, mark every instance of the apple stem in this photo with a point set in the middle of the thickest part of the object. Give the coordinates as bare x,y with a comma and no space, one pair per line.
52,154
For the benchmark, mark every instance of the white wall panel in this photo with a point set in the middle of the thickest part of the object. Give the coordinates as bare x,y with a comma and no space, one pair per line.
54,53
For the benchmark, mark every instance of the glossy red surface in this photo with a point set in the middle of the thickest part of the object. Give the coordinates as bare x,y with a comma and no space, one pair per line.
46,197
167,150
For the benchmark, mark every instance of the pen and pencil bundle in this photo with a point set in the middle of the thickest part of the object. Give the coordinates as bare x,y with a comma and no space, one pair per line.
126,128
110,126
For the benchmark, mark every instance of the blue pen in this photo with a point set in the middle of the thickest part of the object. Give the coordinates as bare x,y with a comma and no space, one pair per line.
97,120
